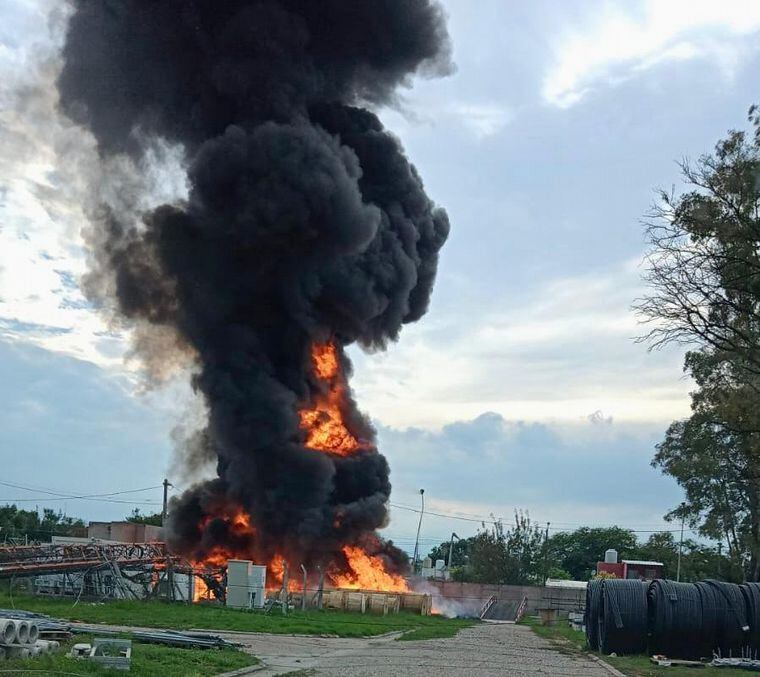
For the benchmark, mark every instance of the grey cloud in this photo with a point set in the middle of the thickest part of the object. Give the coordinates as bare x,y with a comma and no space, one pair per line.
541,467
9,327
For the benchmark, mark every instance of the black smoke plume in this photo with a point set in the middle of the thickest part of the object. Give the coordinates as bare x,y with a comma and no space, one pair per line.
304,223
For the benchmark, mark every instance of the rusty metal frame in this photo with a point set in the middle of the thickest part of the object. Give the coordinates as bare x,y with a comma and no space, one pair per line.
33,560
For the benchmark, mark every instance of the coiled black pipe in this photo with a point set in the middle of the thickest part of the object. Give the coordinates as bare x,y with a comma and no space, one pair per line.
591,613
623,617
724,614
675,620
710,630
751,592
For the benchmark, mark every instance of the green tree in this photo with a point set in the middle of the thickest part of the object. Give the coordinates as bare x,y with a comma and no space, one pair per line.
704,276
156,518
489,560
578,552
526,548
460,553
720,486
698,560
514,556
16,523
663,547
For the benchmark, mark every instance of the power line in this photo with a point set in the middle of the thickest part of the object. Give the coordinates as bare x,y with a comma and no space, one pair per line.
66,495
440,514
495,520
62,496
46,499
492,519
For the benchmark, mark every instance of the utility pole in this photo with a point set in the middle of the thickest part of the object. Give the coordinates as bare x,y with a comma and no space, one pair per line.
419,526
165,512
169,568
680,550
451,549
546,553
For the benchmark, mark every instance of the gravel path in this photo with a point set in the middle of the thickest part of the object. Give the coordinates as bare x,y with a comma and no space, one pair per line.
484,650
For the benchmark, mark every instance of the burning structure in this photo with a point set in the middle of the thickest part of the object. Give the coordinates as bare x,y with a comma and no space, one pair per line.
305,230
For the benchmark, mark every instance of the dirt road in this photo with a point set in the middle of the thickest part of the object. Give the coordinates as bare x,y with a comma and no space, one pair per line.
482,651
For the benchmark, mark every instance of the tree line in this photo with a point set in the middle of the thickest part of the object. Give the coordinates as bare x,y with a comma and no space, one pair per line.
31,525
521,554
17,524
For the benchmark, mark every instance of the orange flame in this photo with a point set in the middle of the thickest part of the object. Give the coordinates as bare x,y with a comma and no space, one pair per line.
239,524
276,572
323,422
325,430
367,573
325,361
200,590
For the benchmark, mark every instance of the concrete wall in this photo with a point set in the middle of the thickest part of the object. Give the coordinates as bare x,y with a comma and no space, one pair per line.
125,532
468,598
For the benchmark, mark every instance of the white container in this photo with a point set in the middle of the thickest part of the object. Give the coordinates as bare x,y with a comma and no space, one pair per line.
258,580
246,584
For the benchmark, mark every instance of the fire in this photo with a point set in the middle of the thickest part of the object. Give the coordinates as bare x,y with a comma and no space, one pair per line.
323,422
325,431
241,522
276,572
238,522
200,589
367,573
325,361
239,526
216,557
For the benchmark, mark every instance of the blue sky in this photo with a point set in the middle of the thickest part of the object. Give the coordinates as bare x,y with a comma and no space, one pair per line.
522,387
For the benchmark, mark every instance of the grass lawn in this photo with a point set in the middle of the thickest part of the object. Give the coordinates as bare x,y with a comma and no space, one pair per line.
180,616
568,639
147,660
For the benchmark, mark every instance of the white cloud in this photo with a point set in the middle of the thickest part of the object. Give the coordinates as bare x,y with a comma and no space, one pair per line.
41,214
624,39
44,165
559,353
482,120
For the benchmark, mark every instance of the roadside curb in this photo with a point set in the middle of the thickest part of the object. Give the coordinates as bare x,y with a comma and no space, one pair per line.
248,670
606,665
602,663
